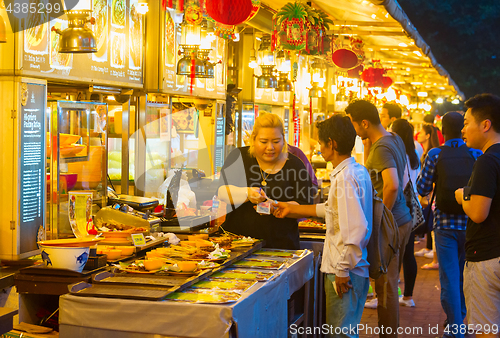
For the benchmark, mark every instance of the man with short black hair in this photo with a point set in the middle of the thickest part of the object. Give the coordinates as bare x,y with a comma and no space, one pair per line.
390,113
449,167
385,159
349,214
481,202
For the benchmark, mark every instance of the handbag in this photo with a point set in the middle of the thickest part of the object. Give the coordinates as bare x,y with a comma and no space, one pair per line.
412,202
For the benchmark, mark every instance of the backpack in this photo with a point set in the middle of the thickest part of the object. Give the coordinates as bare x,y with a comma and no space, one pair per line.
384,240
453,169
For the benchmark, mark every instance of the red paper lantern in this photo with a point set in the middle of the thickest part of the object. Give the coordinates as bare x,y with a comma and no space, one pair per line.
344,58
373,76
229,12
255,9
386,82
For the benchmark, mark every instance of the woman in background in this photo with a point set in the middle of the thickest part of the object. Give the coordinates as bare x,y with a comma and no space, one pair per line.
405,130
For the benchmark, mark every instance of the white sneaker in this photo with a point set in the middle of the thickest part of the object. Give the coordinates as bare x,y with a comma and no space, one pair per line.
405,302
371,304
430,254
422,252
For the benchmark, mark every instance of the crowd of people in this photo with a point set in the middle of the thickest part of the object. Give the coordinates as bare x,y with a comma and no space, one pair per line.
458,181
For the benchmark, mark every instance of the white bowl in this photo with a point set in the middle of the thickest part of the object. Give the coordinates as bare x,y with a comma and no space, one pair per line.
65,257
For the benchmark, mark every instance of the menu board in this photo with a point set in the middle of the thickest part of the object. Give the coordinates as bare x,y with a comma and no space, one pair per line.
220,138
181,84
118,30
32,164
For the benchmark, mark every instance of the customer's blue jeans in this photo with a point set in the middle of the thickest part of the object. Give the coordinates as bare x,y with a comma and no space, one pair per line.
450,248
345,313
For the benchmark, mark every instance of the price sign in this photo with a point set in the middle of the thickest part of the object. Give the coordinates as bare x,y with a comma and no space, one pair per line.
138,239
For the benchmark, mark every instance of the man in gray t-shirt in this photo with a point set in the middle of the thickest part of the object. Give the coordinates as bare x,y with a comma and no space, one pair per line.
385,159
385,153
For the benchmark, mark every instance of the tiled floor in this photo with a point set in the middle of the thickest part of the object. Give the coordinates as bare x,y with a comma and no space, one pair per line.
427,316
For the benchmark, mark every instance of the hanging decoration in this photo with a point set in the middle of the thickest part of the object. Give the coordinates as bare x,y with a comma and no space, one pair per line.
229,12
346,52
318,24
193,15
290,26
225,31
374,75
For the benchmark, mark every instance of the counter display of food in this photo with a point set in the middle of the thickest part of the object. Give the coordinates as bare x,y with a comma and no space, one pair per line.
260,312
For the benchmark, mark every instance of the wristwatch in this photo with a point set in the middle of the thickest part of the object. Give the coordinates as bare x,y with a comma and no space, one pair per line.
466,196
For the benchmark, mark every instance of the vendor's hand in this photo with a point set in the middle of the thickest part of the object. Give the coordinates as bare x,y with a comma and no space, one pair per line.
459,195
343,284
280,209
256,195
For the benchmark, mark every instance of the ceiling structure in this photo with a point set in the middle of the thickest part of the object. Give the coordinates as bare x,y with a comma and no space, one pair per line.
389,36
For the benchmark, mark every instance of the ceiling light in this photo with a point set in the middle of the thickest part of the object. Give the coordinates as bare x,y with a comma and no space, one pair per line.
402,44
455,101
77,38
374,16
422,94
439,100
142,8
417,52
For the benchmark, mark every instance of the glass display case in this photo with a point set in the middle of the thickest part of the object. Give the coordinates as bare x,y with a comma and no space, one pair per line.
77,159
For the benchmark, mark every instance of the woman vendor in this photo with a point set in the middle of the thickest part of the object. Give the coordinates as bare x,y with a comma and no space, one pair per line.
262,171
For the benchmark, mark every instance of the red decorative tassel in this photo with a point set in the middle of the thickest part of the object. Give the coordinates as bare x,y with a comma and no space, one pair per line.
170,4
181,5
202,6
192,75
164,4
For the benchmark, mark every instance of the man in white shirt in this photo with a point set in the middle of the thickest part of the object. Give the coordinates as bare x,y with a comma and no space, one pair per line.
348,214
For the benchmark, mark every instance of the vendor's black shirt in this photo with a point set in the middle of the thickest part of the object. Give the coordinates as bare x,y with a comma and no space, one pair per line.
483,240
291,183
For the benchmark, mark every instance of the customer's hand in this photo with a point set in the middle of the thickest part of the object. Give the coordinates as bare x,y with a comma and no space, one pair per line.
281,209
459,195
343,284
256,195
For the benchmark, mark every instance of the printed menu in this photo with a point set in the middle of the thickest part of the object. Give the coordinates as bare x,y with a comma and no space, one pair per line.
32,164
118,30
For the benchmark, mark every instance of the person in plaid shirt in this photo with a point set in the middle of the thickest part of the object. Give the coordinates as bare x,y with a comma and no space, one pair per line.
449,227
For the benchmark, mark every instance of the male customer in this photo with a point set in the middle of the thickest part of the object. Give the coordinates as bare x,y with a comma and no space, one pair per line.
481,202
449,167
390,113
385,159
348,214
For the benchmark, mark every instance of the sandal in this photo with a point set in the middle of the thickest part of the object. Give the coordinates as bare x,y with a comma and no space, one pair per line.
430,266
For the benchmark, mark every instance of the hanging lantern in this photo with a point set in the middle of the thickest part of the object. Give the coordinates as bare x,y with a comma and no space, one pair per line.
346,52
255,9
267,63
291,22
78,38
229,12
193,15
318,25
374,75
386,82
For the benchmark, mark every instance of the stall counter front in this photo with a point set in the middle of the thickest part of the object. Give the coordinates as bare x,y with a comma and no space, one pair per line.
261,312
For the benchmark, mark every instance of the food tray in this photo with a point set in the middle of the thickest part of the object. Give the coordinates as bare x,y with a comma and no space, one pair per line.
257,263
157,280
280,253
205,296
120,291
317,230
242,274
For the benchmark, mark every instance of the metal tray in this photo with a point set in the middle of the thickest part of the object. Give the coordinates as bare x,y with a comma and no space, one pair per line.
120,291
154,280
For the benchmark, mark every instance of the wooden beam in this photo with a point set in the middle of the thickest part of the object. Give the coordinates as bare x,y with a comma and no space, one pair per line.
367,24
373,33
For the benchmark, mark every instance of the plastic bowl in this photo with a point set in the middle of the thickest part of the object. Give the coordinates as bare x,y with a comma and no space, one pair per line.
71,180
114,254
127,250
67,139
187,266
65,257
153,264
